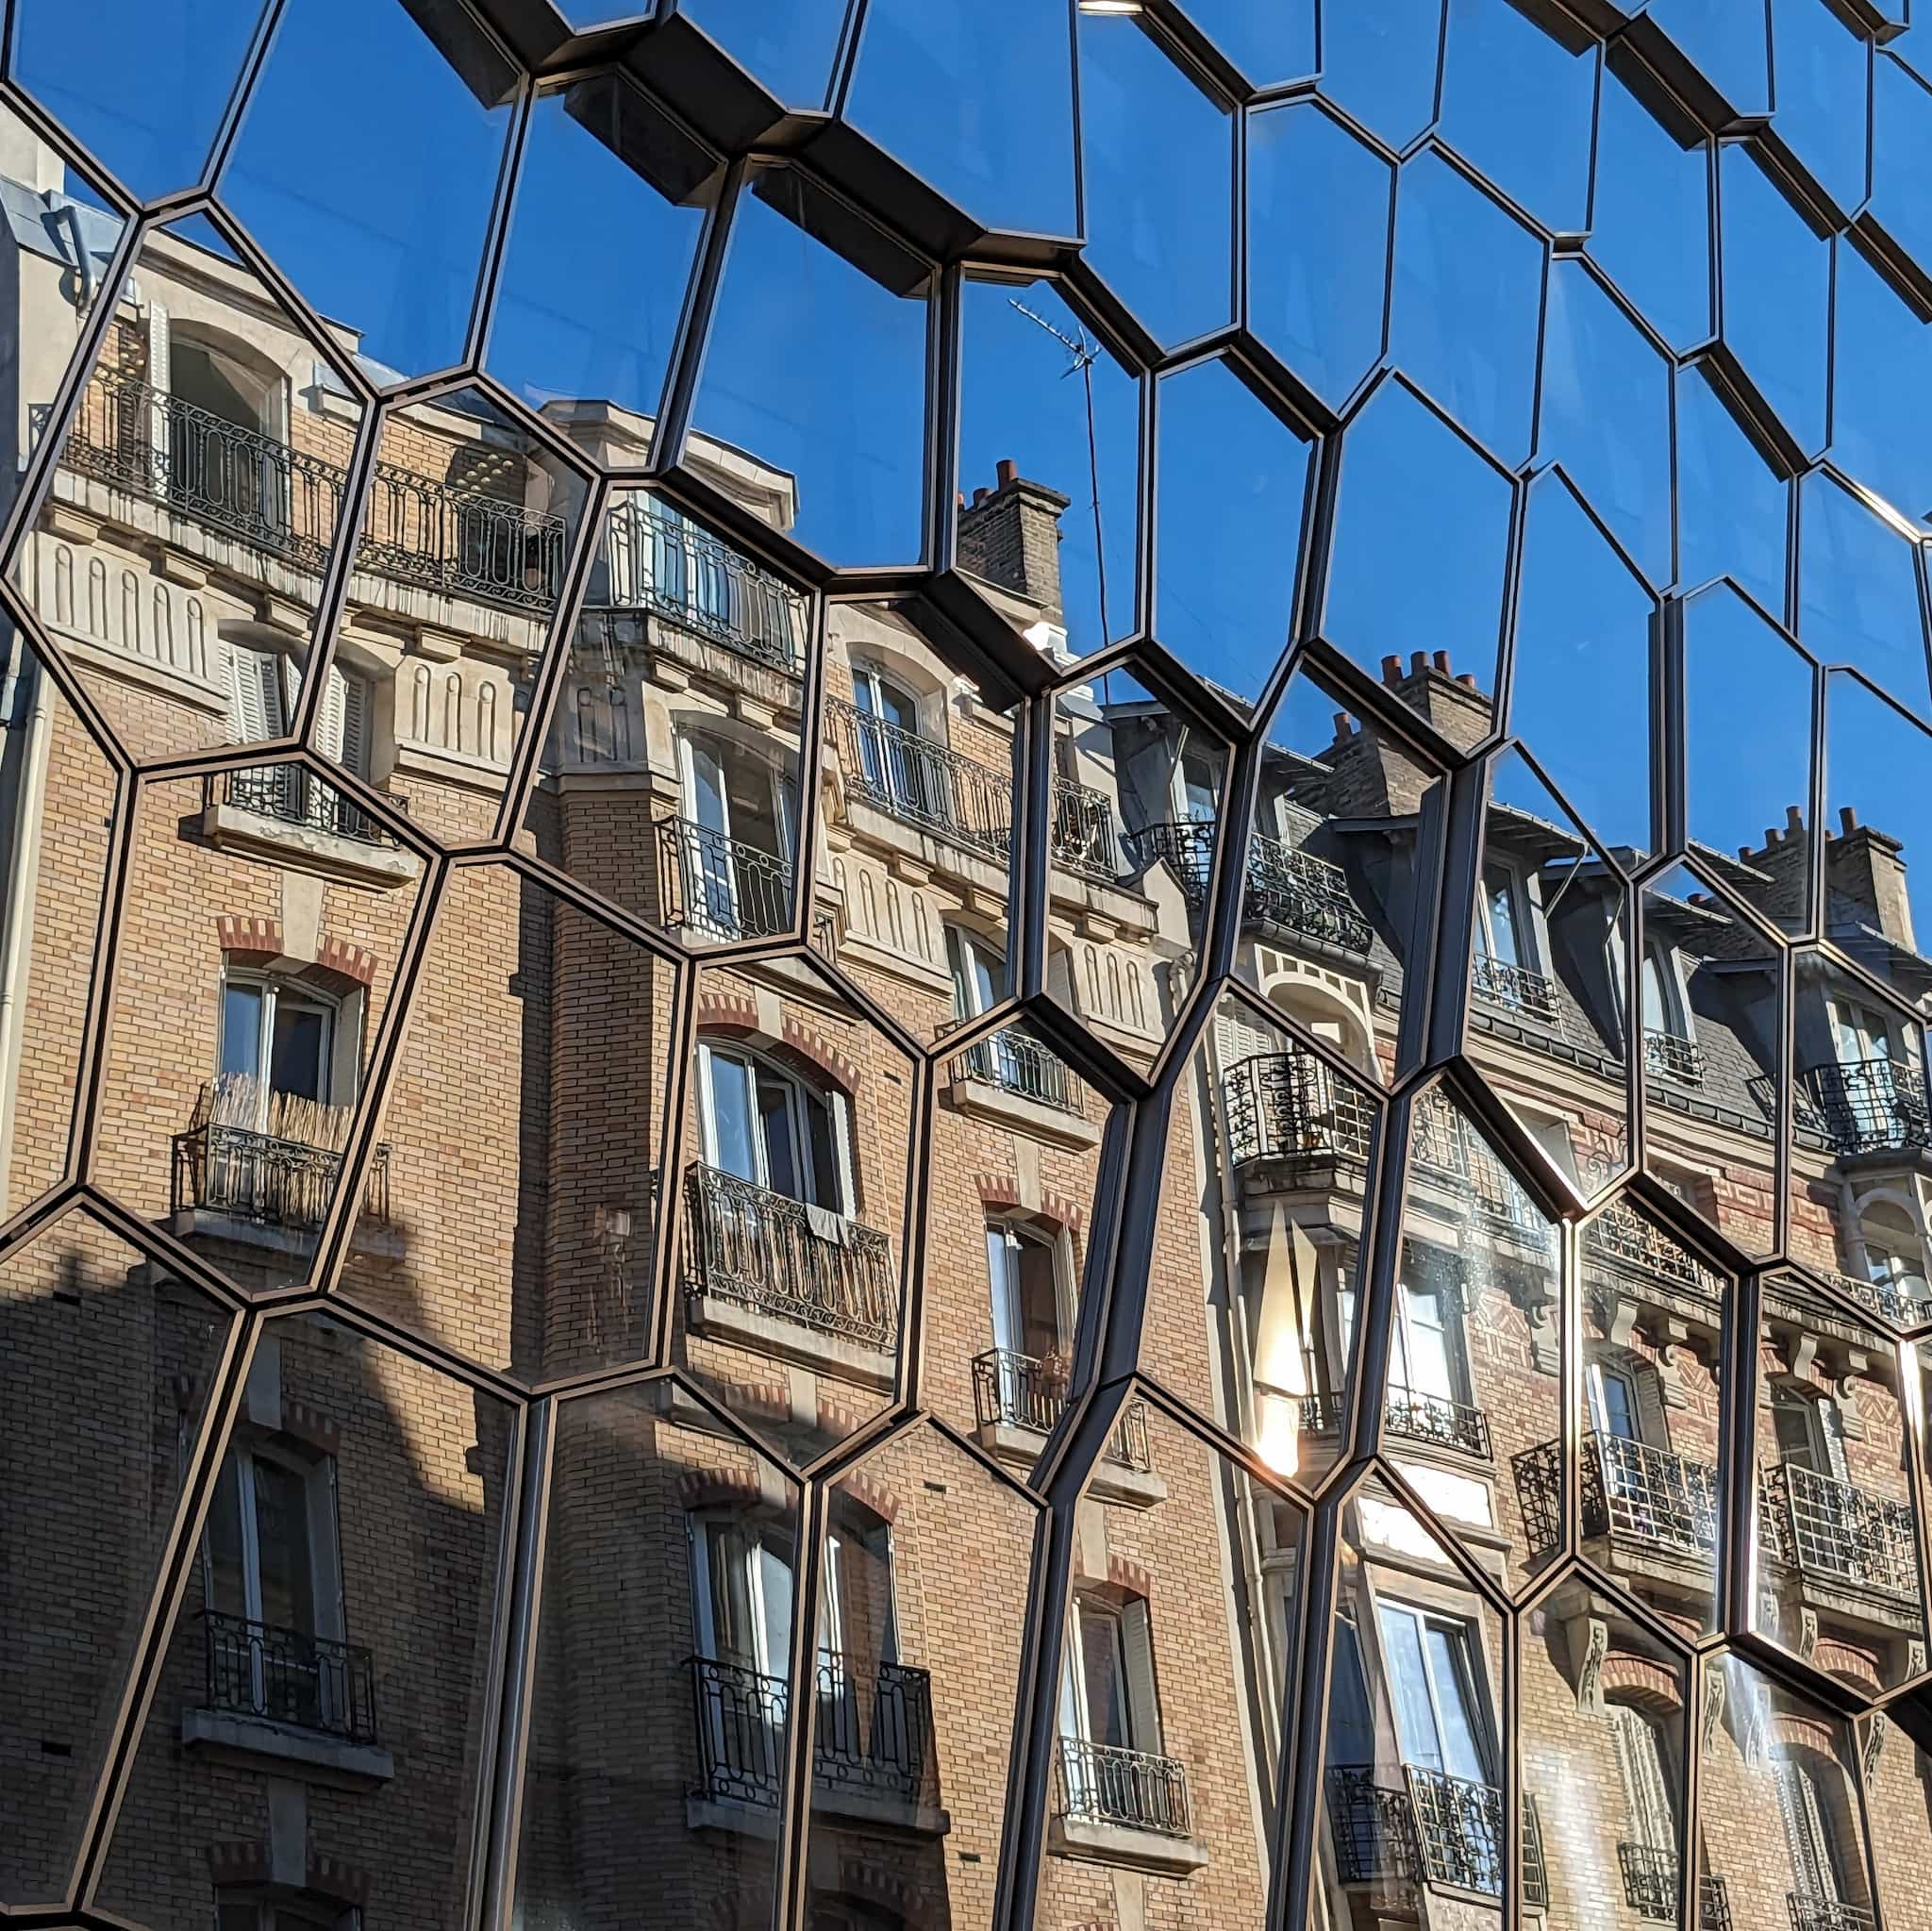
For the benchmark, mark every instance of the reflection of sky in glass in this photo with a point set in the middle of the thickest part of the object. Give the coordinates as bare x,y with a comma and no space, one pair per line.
815,369
1650,223
387,235
1726,43
1620,456
1748,723
1580,686
1319,203
788,46
1467,290
1421,531
1517,104
1858,591
1270,43
1158,210
1880,765
1732,509
1776,296
977,96
141,82
1901,158
1022,398
1881,396
1822,76
1227,549
575,318
1379,61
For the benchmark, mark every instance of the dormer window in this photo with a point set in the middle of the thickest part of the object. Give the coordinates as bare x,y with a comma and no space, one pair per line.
1669,1051
1504,929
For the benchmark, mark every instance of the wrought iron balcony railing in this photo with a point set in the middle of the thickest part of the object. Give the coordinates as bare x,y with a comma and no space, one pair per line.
1621,1238
288,1676
1515,989
292,794
1836,1534
719,886
662,565
1630,1491
778,1257
288,502
1017,1063
1650,1888
1285,886
958,798
1811,1912
1871,1105
873,1729
1446,1150
1411,1415
1896,1301
255,1176
1293,1106
1668,1056
1019,1392
1098,1782
1431,1827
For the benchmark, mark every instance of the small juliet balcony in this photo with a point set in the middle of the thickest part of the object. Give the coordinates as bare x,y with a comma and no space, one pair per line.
1859,1551
1650,1888
1123,1806
1670,1057
1287,889
1018,1401
1891,1300
1811,1912
1870,1106
286,813
1656,1513
937,790
1429,1828
789,1279
718,887
1014,1081
1408,1415
1515,989
1293,1112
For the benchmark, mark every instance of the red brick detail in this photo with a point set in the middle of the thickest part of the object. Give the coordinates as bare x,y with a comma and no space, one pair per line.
255,937
1000,1193
1851,1665
1129,1577
834,1064
335,1879
872,1495
1063,1212
333,954
1790,1730
997,1190
718,1488
731,1012
769,1399
305,1424
727,1011
238,1860
1639,1679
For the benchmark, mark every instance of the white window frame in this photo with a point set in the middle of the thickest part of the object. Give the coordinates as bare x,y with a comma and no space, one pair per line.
1472,1682
832,1097
1522,916
1455,1343
341,1066
1140,1708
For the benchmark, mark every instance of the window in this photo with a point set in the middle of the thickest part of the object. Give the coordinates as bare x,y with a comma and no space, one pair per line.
1613,1411
277,1063
1812,1824
1199,799
1503,931
979,972
877,696
1861,1033
1351,1715
1649,1793
744,1571
894,762
1432,1677
1664,1010
1894,1254
265,692
763,1123
1429,1359
1024,1269
1810,1433
1107,1700
255,1911
740,812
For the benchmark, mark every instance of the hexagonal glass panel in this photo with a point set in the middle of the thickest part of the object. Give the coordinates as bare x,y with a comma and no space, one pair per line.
238,1053
670,779
779,381
1880,345
589,351
1837,1562
1412,486
1859,590
201,487
664,1665
798,1142
1710,1093
1379,63
1894,1771
339,1618
1270,45
1734,507
1901,142
1321,209
916,1664
85,1533
788,46
1168,1735
1342,828
389,237
1158,216
533,1029
1778,1799
1053,455
1475,1343
1729,46
1227,561
1412,1769
1824,80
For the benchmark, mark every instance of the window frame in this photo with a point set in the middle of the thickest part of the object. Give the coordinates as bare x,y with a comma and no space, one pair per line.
831,1096
1472,1682
340,1060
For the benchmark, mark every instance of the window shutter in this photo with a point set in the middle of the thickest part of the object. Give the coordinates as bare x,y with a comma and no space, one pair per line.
1238,1037
1646,1789
254,694
328,731
1143,1706
356,695
161,380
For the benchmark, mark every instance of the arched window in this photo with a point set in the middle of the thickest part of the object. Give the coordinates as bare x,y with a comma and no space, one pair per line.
765,1123
1826,1862
1649,1848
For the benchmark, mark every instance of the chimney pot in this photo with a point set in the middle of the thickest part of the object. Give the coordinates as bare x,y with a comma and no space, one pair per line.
1343,726
1391,670
1467,679
959,497
1007,472
1441,660
1770,838
1848,819
1794,818
1417,662
980,495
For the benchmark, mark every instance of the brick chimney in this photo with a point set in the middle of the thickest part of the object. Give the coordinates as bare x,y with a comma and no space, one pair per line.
1010,535
1455,705
1781,859
1864,866
1373,776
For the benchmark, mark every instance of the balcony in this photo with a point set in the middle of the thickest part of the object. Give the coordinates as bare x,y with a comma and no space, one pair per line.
1410,1416
1017,1063
1623,1240
873,1753
1446,1151
1293,1108
1811,1913
1123,1806
1018,1401
238,1175
287,504
1889,1299
1649,1888
292,794
954,797
789,1278
1871,1105
1632,1494
1515,989
1837,1537
1285,888
662,566
718,886
1431,1828
1668,1057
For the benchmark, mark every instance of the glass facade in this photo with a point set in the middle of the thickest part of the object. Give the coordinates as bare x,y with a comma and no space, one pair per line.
956,968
